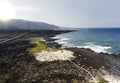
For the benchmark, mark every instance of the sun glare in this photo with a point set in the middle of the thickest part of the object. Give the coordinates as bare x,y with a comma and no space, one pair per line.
7,10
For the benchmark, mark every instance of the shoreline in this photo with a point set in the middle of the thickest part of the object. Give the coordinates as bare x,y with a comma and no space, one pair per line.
68,42
18,65
109,62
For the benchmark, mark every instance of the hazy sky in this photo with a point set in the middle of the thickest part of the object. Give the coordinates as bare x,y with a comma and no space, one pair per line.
72,13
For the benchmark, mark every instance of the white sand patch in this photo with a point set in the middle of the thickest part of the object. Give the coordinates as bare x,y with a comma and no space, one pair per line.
112,79
52,56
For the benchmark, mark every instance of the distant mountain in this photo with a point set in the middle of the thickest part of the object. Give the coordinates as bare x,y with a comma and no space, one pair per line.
23,24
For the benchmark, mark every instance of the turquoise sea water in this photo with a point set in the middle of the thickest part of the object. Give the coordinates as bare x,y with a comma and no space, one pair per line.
105,40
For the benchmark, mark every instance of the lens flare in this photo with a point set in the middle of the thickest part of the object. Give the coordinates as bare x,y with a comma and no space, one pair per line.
7,10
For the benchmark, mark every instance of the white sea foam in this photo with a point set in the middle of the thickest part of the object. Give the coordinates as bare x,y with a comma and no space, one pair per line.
65,42
56,37
112,79
91,45
64,39
96,48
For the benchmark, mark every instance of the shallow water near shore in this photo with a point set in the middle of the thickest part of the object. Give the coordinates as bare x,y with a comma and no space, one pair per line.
105,40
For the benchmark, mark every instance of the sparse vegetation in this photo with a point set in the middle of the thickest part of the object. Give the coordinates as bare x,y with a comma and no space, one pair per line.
39,46
102,80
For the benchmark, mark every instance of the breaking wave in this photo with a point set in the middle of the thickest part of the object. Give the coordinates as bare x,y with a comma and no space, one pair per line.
65,42
96,48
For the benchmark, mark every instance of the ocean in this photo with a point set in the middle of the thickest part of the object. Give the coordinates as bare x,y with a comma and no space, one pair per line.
106,40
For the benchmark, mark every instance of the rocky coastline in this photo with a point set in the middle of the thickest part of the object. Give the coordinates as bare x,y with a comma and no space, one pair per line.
17,65
88,58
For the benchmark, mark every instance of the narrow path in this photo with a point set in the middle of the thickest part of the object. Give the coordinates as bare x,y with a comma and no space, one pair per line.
94,79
